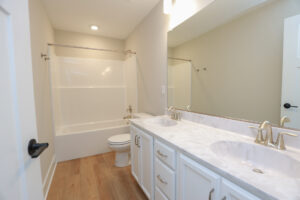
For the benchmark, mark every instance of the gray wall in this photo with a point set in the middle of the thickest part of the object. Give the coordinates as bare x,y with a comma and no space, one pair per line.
149,40
85,40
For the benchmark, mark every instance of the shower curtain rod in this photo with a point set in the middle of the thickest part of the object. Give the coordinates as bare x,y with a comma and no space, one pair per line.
172,58
89,48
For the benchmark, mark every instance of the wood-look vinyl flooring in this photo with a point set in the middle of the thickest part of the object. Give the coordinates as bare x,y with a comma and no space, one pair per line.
94,178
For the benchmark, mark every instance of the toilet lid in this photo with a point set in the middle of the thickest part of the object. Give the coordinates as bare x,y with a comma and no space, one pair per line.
119,139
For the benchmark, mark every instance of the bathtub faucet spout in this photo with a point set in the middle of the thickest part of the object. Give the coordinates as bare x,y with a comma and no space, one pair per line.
127,117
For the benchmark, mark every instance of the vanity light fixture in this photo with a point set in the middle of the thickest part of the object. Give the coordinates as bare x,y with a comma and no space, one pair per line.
94,27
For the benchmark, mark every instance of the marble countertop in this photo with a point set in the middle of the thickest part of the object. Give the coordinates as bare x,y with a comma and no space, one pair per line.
196,140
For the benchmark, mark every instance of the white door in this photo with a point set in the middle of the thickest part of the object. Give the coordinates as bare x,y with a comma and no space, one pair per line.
290,100
135,154
20,176
230,191
195,181
145,141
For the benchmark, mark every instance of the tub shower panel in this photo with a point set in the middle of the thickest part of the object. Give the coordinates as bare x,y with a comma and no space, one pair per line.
90,90
90,97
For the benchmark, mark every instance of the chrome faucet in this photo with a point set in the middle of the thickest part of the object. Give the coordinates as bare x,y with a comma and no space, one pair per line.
175,115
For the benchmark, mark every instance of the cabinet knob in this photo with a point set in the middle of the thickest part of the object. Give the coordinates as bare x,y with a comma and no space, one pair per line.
161,180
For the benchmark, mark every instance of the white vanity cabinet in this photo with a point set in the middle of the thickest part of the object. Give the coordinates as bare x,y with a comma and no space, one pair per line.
195,181
142,160
165,173
230,191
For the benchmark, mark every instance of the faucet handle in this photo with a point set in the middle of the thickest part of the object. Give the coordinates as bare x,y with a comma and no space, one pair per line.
171,108
188,107
254,127
279,144
259,137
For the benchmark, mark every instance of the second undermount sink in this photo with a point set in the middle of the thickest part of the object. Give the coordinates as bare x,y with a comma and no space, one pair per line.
161,121
258,158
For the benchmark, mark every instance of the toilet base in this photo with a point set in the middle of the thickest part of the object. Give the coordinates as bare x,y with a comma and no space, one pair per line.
122,159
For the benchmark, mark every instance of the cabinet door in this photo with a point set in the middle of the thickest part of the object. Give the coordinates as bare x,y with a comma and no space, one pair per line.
195,181
145,141
230,191
159,195
135,154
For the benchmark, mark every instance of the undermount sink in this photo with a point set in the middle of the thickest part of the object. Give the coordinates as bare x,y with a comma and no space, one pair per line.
161,121
259,159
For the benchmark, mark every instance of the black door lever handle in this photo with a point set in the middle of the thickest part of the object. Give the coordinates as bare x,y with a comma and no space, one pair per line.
288,105
35,149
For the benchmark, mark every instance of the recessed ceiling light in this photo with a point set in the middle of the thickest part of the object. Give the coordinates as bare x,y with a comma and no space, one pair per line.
94,27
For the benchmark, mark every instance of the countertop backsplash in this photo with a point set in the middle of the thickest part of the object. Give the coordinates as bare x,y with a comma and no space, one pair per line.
238,126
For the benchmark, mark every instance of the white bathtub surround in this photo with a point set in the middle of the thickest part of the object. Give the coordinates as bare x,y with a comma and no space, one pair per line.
89,98
233,155
91,90
87,139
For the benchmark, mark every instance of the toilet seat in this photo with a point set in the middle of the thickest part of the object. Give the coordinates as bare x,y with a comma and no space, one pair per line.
121,139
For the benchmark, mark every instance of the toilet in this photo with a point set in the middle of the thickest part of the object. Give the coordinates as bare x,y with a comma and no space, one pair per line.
121,144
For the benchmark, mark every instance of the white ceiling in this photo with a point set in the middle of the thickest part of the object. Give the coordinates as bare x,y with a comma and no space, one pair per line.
215,14
115,18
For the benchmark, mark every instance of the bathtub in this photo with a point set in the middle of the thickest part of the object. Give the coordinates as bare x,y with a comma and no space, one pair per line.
81,140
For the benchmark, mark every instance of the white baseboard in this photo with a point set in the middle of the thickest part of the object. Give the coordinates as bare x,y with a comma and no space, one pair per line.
49,176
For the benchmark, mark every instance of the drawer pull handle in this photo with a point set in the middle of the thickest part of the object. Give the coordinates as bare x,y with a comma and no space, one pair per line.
161,180
161,154
138,141
135,140
210,194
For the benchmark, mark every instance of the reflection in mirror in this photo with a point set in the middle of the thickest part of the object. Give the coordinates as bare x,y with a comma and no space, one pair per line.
244,64
179,83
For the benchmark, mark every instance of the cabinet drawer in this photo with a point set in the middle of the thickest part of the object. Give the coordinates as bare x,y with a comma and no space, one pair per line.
165,179
165,154
159,195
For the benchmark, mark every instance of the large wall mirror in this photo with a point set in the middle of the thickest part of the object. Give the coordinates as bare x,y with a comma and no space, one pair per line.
238,59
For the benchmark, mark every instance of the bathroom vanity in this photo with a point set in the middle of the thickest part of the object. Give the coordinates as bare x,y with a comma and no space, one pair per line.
184,160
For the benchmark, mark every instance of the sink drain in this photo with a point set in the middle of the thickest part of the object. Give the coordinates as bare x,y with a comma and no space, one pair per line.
257,171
